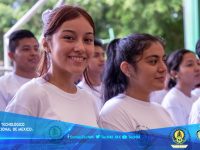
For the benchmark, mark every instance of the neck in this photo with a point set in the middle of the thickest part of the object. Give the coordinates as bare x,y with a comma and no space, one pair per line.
138,94
94,77
185,89
28,75
62,80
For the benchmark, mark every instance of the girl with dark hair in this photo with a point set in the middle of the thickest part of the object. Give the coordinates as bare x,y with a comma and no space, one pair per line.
92,76
69,44
184,73
134,68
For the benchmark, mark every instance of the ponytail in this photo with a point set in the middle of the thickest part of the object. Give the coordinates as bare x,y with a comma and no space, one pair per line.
114,81
44,63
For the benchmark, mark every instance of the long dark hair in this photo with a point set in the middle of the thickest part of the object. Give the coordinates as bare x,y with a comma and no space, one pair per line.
126,49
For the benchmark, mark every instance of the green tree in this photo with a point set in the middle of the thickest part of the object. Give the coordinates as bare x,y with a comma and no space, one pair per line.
11,11
161,18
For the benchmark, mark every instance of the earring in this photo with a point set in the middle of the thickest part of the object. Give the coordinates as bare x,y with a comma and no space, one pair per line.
173,78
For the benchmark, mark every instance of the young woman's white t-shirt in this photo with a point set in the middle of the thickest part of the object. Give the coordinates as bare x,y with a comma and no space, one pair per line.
9,85
178,105
97,94
40,98
124,113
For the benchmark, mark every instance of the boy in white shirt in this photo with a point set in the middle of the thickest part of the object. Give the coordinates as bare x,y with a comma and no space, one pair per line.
24,53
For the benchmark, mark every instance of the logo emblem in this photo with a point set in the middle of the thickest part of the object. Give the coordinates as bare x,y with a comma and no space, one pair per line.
198,134
55,132
179,137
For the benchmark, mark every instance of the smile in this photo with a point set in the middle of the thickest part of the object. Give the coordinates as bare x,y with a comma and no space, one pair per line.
77,58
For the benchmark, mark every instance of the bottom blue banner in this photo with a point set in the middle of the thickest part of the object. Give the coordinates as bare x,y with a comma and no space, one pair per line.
25,132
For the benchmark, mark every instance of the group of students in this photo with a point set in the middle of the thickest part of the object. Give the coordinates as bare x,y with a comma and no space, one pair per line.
183,77
113,94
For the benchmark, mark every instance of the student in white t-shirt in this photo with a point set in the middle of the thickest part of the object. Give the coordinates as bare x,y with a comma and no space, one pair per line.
69,44
92,76
184,70
24,53
195,112
135,67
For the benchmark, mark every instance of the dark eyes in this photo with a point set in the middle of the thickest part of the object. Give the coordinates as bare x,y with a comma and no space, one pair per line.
89,40
154,61
26,49
96,55
68,37
29,48
72,38
190,64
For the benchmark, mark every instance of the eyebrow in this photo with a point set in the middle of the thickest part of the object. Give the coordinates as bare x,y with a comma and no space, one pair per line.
75,32
26,46
190,60
156,56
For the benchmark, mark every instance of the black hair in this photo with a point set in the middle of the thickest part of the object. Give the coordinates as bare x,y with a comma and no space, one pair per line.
16,36
126,49
197,49
97,42
173,64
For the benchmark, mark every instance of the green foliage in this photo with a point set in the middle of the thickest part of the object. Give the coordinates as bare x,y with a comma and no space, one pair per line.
11,11
162,18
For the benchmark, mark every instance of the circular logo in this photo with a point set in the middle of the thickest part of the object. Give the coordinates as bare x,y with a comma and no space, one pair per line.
198,134
55,132
179,136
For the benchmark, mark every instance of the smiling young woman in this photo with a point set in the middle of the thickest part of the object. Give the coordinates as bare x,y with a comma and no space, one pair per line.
68,43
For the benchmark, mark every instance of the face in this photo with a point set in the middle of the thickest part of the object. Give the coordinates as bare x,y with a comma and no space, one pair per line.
96,63
71,46
26,56
151,69
189,70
